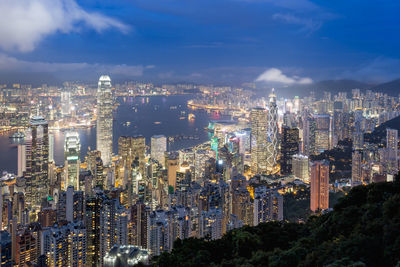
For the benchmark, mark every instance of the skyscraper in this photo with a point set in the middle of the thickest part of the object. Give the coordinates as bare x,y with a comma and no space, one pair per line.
356,168
158,148
65,103
272,133
259,121
319,185
72,155
92,223
289,147
131,147
21,159
300,167
104,119
322,132
392,140
309,129
37,161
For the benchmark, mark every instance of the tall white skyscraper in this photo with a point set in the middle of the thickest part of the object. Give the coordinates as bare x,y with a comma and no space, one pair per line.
72,153
51,147
65,103
104,119
272,133
258,118
21,159
158,148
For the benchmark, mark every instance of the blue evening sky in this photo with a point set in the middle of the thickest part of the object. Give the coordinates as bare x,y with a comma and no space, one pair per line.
211,40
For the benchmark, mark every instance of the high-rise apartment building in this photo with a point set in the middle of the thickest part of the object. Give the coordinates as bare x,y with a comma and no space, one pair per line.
319,186
113,226
392,140
158,148
104,115
323,133
356,168
300,167
309,130
130,148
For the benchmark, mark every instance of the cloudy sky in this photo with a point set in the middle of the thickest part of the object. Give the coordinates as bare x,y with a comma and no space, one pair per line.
226,41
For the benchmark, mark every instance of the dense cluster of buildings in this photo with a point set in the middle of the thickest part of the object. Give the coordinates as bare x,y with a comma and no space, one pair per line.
103,209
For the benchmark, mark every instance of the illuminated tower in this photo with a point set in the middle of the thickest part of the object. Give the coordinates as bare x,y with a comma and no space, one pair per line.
65,103
158,148
258,118
309,129
392,140
289,147
72,154
272,133
356,168
319,185
104,119
131,147
37,161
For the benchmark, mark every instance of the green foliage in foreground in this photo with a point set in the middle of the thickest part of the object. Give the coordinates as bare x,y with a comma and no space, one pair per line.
363,230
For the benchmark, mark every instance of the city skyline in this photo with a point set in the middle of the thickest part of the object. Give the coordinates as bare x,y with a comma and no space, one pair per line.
199,133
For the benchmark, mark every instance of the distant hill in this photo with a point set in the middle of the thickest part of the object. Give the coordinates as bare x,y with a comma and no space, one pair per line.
378,136
362,230
391,88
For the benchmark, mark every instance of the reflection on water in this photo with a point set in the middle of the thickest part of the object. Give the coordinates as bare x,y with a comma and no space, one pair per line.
146,116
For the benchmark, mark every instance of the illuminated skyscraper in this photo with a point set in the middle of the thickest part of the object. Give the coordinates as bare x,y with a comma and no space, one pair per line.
21,159
392,140
356,168
104,119
172,167
72,154
259,121
289,147
272,133
158,148
37,161
131,147
323,132
319,185
92,223
113,226
309,129
300,167
65,103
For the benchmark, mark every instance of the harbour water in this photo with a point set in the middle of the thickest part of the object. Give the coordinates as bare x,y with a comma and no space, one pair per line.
147,116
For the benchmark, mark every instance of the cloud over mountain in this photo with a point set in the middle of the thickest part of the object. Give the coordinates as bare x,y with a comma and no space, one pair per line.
274,75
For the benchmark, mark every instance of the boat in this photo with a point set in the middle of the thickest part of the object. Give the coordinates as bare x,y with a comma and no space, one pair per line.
18,135
191,116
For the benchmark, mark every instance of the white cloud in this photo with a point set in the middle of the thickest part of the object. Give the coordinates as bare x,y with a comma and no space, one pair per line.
307,24
8,64
275,75
24,23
